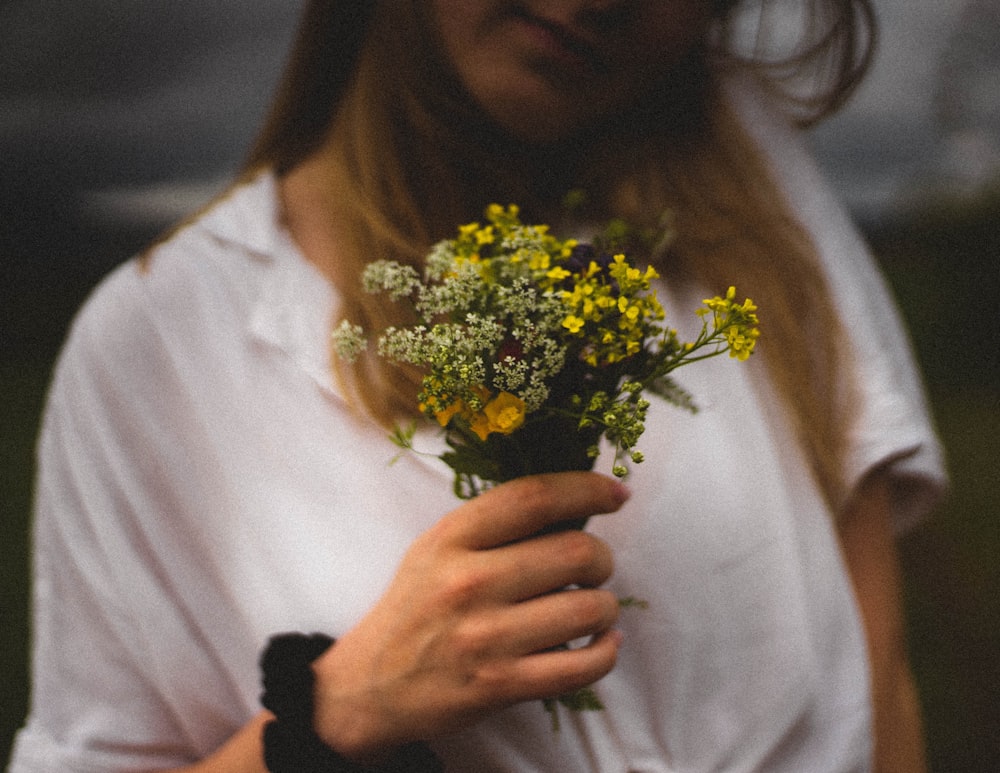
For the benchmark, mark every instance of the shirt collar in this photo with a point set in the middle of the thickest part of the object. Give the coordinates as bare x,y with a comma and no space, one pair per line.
248,215
294,304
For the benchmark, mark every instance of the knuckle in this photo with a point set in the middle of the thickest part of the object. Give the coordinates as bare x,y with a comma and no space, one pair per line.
494,683
461,587
428,546
440,533
471,642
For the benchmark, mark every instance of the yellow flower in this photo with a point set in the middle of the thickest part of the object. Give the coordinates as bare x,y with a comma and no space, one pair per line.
629,312
573,324
505,413
567,248
539,261
721,305
741,341
467,230
480,425
496,212
444,415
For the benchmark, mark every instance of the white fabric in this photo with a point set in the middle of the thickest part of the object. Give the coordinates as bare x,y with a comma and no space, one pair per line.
203,486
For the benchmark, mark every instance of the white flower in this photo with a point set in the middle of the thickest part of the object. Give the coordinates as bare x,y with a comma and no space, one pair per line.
391,277
349,341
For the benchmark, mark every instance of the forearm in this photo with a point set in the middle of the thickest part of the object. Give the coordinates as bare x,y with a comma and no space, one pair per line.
870,554
899,740
242,753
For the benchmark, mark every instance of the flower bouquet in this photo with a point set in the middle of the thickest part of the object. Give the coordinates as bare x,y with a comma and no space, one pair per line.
534,349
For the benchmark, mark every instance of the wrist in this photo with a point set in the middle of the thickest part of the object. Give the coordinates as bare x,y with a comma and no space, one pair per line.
291,743
347,715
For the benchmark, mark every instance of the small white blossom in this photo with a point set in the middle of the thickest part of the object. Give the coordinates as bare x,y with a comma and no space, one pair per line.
349,341
388,276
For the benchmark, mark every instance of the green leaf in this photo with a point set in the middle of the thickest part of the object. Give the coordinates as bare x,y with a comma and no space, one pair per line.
402,436
583,699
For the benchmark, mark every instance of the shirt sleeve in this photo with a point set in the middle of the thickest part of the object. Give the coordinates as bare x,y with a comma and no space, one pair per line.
147,631
889,425
95,704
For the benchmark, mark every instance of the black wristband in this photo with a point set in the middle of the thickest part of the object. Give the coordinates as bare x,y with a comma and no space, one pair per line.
290,742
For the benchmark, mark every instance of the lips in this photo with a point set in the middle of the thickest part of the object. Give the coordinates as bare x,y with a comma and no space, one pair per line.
561,43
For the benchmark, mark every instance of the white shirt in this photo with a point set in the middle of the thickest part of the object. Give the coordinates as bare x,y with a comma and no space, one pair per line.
203,486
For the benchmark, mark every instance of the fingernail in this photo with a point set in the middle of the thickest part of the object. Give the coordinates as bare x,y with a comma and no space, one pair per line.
621,493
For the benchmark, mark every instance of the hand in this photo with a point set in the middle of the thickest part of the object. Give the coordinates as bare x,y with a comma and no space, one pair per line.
469,622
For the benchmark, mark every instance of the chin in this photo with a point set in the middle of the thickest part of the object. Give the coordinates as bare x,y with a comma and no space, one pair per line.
539,117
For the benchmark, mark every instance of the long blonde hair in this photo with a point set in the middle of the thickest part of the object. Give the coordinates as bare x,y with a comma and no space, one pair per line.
410,158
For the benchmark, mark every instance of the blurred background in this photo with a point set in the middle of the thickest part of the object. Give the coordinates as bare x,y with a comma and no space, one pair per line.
118,117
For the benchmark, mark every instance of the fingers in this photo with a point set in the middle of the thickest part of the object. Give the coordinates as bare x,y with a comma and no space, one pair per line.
517,572
520,655
553,620
523,507
471,617
534,567
504,634
556,672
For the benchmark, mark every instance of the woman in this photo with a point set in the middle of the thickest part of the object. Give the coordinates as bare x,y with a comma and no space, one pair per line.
209,479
